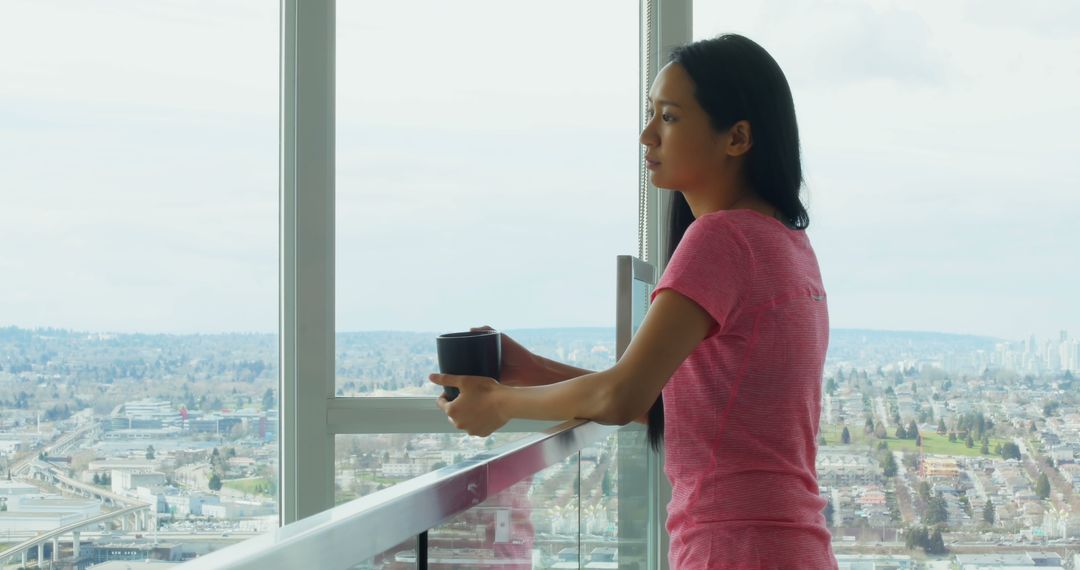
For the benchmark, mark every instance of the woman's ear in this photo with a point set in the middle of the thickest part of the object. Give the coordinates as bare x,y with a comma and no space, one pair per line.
740,138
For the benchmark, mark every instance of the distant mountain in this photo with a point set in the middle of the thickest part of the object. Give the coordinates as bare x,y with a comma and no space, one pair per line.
873,347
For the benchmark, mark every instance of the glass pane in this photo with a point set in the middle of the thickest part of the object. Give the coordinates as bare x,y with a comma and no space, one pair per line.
532,524
139,251
401,557
917,192
481,170
397,363
367,463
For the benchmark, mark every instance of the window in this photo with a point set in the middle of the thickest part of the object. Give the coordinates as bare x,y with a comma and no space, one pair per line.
938,163
138,168
486,174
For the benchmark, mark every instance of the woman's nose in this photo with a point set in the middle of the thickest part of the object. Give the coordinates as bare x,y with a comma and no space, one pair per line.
646,138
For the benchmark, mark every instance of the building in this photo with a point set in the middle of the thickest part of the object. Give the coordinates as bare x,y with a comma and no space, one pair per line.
24,522
238,510
135,550
1025,561
945,467
10,447
873,562
149,408
183,505
846,469
123,480
81,508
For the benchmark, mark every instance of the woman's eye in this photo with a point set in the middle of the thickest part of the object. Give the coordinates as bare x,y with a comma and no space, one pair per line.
667,118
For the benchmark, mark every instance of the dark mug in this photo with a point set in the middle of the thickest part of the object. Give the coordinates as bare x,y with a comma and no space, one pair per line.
470,354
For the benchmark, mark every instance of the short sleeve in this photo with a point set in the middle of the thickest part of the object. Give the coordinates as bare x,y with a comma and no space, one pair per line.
713,267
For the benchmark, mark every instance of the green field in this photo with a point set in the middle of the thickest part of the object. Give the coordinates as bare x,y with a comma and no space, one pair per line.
933,443
248,485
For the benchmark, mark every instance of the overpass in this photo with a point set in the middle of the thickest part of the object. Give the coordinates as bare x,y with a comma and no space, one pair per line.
45,471
138,511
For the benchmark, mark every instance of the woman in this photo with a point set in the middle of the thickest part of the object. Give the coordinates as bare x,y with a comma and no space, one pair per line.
736,335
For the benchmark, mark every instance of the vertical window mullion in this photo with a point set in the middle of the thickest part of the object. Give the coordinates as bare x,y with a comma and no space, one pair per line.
307,256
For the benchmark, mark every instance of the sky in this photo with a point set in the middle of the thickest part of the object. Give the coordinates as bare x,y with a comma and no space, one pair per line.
487,167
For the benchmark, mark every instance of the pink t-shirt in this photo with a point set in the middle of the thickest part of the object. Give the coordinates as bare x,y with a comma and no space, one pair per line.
742,410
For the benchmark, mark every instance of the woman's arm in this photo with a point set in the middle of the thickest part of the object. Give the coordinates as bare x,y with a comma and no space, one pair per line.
673,327
551,371
520,367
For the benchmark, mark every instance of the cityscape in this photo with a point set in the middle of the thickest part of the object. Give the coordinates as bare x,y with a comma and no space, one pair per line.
936,451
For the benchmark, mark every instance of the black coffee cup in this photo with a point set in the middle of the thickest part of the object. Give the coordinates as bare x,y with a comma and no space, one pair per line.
469,353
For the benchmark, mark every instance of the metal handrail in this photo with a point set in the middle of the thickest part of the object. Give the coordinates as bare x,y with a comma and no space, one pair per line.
359,530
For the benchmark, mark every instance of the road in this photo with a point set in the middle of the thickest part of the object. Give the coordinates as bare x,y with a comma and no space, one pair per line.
1034,464
61,446
904,491
882,413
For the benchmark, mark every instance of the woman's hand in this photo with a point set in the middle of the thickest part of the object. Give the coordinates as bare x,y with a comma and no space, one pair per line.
476,409
519,366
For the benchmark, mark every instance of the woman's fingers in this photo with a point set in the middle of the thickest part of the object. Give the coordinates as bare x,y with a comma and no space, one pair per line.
453,380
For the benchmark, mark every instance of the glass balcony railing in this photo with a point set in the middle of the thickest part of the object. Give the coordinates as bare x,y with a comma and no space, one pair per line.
574,496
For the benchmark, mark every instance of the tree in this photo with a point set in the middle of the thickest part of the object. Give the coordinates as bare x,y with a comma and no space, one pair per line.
924,490
606,486
97,479
868,427
1042,488
215,482
937,543
985,449
970,443
937,510
1010,451
888,467
966,504
901,433
150,452
988,512
828,512
845,437
917,537
268,399
912,430
941,429
952,437
911,460
830,386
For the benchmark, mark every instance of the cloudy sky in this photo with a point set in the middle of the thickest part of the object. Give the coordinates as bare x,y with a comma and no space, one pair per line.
487,161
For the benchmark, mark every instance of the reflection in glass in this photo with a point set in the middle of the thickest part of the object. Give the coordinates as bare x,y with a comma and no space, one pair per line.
366,463
400,557
532,524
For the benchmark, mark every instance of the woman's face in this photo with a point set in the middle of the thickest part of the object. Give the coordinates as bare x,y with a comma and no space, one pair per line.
682,152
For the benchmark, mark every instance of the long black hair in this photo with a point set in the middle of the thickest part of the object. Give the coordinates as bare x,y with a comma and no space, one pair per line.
735,79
